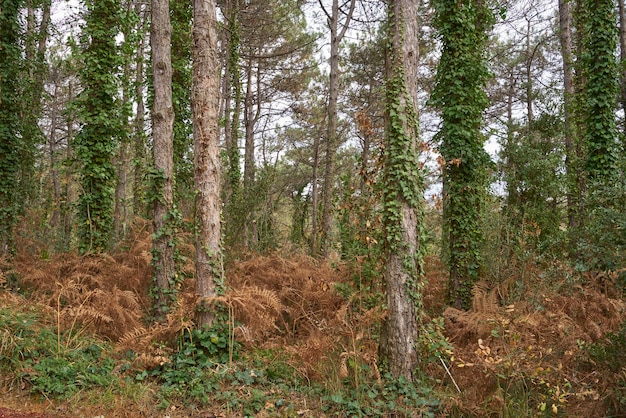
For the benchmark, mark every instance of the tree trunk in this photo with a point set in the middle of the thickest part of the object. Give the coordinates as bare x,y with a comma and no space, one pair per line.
622,49
403,186
529,77
139,141
331,133
163,139
205,99
52,149
565,18
314,242
249,119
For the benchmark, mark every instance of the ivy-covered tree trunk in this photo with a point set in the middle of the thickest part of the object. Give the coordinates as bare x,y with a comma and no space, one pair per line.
459,94
34,71
10,138
205,99
139,135
602,90
622,55
181,14
165,217
603,242
403,189
98,110
122,215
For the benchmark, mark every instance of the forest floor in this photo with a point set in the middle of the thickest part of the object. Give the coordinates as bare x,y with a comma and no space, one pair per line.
538,341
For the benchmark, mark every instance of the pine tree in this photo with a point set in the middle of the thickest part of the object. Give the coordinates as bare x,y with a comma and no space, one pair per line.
403,189
165,216
204,98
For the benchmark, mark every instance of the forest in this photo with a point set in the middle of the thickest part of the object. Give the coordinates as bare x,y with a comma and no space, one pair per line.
312,208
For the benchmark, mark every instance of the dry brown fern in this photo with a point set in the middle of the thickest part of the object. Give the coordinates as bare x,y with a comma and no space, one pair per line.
484,300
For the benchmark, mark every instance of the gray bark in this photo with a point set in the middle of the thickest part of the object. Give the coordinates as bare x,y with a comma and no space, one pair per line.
163,139
205,99
403,267
336,35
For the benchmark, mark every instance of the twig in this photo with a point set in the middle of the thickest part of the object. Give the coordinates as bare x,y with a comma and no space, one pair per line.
449,374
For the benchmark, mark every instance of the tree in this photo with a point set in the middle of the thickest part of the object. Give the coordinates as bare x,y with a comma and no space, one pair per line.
165,217
403,188
138,129
565,26
337,33
98,110
268,61
181,13
10,130
459,94
602,89
205,99
603,241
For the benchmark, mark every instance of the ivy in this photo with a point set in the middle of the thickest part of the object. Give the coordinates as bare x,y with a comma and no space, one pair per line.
602,241
181,16
98,109
11,142
459,94
403,180
602,90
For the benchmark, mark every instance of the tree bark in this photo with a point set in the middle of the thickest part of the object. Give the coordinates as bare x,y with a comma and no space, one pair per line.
565,19
205,99
139,142
403,189
336,36
163,139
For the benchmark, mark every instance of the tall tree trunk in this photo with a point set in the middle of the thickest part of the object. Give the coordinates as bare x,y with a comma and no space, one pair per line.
52,149
602,91
459,92
529,77
565,19
163,139
622,49
100,115
205,99
123,161
314,241
403,188
336,35
139,140
232,87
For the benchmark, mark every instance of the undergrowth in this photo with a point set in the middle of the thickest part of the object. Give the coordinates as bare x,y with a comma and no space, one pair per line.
54,365
299,337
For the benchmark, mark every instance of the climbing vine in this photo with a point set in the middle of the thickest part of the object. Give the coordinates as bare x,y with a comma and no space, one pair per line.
11,142
403,179
98,109
235,212
164,290
602,90
234,68
181,16
459,94
602,242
